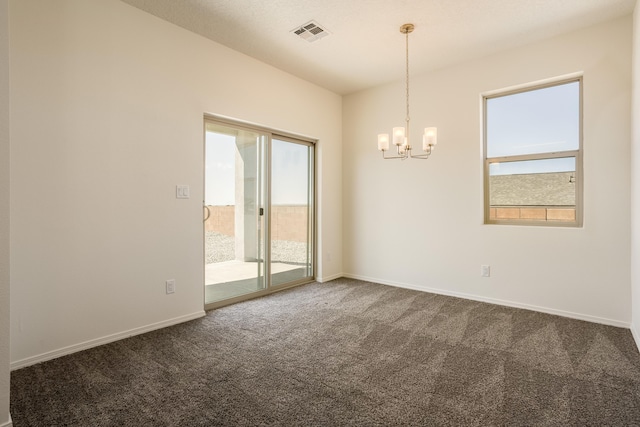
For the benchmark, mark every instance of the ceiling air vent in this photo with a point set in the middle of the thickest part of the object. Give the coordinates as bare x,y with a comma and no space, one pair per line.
311,31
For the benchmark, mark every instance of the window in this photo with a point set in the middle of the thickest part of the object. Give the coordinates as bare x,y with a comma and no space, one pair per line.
533,155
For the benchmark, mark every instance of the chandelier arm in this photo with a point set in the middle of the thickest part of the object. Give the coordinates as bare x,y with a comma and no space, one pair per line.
402,157
424,155
419,156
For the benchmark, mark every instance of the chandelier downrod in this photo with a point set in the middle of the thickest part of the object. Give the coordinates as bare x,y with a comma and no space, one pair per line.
401,135
406,29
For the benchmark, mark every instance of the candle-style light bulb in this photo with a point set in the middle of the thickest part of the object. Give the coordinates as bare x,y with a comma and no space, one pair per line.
383,141
430,138
398,136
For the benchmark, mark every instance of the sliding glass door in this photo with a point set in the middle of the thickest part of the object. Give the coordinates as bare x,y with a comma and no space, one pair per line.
234,212
258,209
291,210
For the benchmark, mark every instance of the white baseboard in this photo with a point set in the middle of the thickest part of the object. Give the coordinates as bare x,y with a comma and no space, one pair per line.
329,278
569,314
101,341
8,423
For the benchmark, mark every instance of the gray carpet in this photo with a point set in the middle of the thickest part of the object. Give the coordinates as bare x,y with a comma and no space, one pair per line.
345,353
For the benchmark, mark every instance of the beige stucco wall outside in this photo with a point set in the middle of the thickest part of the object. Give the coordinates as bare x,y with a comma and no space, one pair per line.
542,189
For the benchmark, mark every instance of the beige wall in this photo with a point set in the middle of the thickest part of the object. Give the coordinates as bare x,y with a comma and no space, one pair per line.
4,214
428,215
635,179
107,118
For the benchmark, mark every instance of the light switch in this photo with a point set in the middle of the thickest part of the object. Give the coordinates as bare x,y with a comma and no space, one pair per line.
170,286
182,191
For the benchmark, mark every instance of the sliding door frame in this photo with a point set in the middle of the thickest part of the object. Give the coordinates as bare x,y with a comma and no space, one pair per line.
271,135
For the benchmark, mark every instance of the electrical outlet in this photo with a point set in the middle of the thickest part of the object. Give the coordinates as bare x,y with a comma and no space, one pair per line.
171,286
485,270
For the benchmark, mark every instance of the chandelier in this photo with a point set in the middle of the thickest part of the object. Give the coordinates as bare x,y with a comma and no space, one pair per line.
400,136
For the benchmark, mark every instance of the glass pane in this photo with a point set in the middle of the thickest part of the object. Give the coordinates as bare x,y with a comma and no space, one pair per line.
533,190
234,241
291,210
537,121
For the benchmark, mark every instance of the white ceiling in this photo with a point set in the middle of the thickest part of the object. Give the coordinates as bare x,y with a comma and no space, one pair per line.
365,47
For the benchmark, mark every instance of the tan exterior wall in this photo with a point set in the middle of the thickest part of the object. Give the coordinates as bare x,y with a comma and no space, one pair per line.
287,222
538,213
221,219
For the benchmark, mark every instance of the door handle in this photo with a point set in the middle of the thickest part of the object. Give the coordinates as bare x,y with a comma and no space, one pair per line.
208,213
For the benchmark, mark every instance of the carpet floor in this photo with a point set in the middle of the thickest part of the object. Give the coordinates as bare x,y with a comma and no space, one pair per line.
345,353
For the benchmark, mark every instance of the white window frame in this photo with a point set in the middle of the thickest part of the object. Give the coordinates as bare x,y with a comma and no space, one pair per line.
578,154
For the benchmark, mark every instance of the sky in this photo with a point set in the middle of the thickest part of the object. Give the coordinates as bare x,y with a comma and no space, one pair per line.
220,154
289,182
544,120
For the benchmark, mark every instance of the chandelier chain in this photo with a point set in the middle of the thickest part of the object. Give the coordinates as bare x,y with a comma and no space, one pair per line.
407,77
